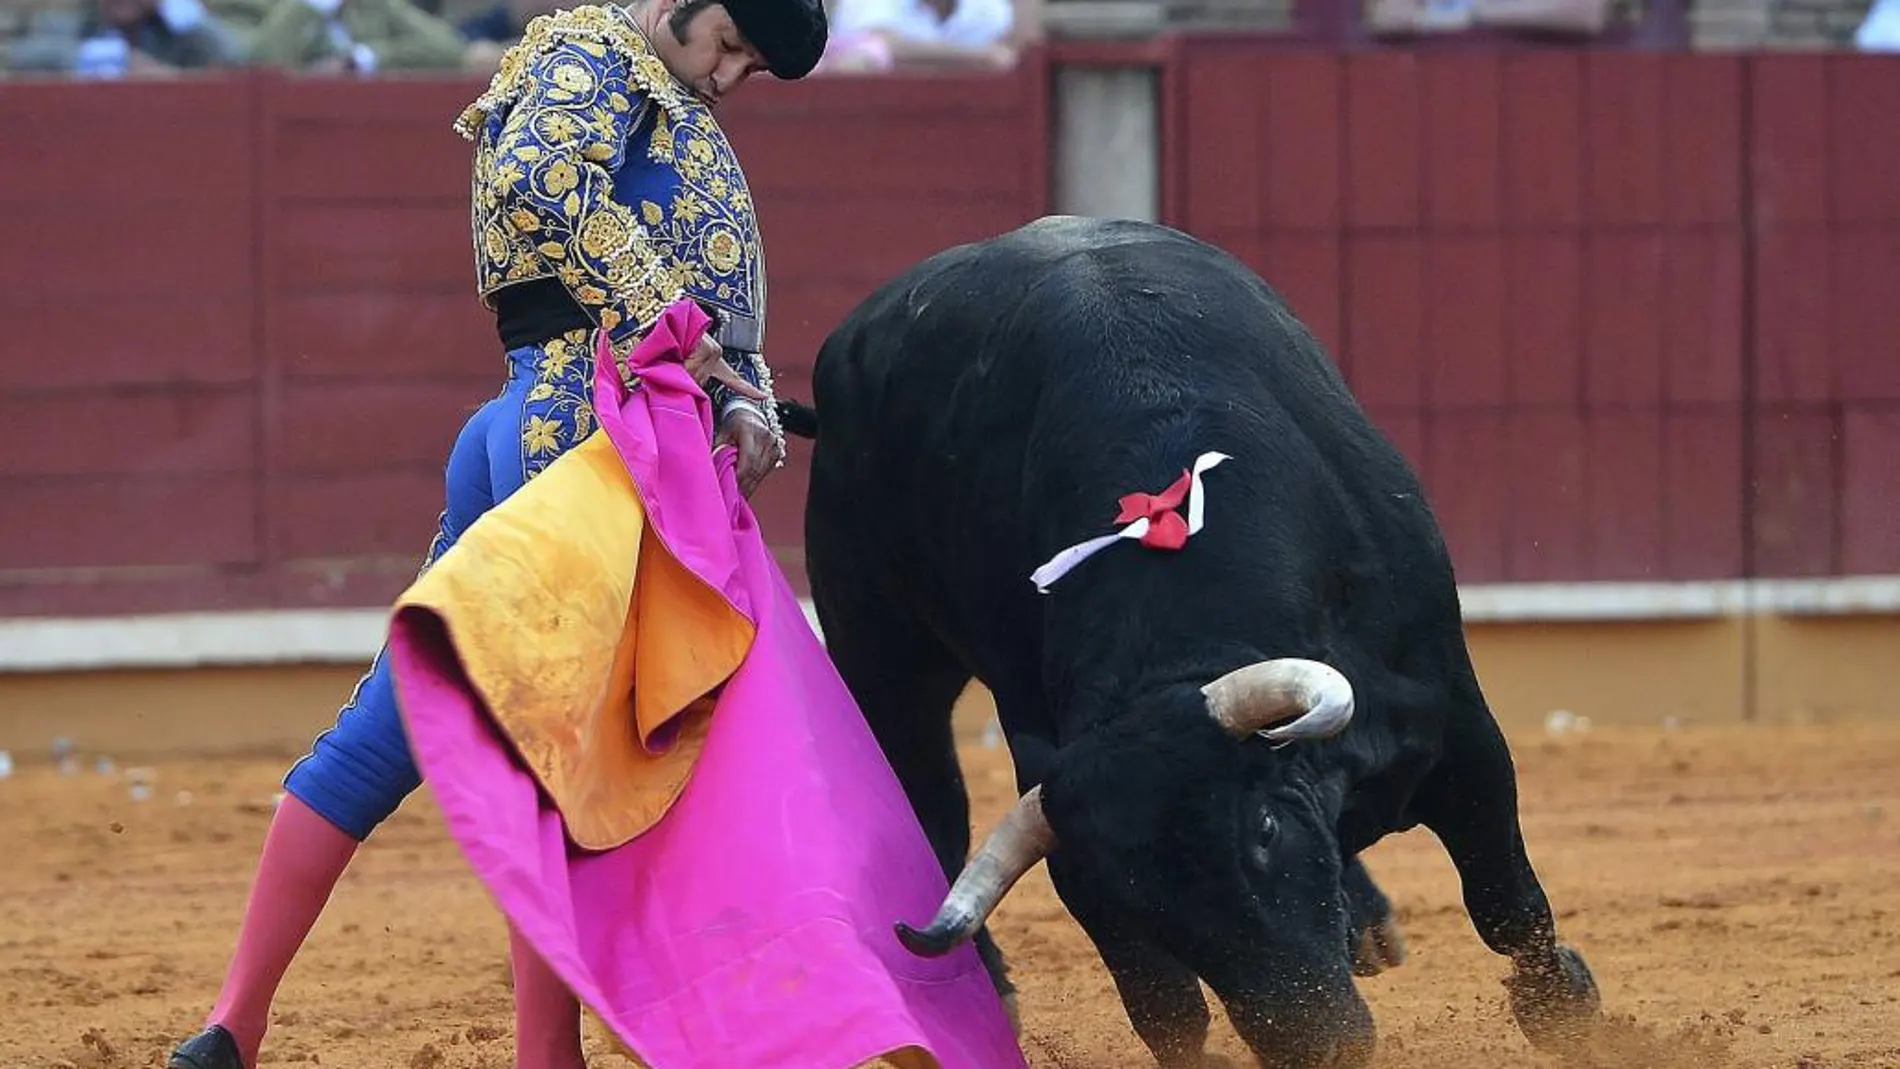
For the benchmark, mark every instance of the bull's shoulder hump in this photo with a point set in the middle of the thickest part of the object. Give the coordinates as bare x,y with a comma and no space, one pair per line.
1044,244
1071,262
1079,232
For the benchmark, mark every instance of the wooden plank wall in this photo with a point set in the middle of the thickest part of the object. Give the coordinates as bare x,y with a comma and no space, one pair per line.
129,362
1633,315
242,332
1826,314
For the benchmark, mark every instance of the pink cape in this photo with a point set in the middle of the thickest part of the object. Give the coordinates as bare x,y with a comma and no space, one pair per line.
752,926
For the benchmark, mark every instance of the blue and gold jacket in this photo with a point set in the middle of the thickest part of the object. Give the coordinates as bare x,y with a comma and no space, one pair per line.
595,166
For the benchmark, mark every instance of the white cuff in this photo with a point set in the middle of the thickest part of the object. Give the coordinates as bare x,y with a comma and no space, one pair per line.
749,407
363,58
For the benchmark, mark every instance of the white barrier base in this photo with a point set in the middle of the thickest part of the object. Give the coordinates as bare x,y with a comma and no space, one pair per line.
352,636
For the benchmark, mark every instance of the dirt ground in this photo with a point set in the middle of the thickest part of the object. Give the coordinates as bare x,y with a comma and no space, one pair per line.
1734,888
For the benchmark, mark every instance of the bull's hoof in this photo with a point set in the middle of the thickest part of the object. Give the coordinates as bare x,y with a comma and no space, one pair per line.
1558,1006
213,1048
1378,948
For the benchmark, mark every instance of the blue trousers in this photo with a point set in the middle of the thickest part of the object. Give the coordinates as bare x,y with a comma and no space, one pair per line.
358,771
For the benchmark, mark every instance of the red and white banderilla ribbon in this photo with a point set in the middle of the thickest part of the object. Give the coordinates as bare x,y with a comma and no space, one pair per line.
1150,518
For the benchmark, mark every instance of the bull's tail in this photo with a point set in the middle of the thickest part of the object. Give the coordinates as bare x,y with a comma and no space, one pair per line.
801,420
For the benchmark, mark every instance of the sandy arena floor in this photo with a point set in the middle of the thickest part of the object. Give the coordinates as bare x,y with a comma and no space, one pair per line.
1737,891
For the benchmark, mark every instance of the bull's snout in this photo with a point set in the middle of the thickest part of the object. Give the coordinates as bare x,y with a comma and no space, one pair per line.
1333,1031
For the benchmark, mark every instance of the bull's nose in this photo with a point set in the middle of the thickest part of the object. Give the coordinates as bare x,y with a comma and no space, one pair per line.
1350,1054
1202,1061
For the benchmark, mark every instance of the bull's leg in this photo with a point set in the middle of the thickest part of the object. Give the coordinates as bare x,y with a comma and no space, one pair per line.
1163,997
908,703
905,681
906,685
1377,944
1470,802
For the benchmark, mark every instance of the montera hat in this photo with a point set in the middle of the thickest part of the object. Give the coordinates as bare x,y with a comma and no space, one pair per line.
790,34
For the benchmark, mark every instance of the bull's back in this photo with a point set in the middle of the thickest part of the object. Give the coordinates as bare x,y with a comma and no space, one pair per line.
983,408
986,348
1097,312
924,326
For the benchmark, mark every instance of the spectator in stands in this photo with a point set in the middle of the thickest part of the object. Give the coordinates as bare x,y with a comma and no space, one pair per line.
242,18
358,36
491,30
1880,30
129,38
888,35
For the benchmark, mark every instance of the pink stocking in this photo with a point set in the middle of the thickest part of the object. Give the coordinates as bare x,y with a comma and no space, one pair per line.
547,1015
304,855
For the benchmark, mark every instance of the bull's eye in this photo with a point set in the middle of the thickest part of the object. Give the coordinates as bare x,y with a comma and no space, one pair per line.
1262,846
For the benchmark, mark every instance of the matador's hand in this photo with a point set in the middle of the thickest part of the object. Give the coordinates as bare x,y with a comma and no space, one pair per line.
745,430
706,362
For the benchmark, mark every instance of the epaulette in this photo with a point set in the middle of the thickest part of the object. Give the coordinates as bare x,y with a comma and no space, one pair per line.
597,29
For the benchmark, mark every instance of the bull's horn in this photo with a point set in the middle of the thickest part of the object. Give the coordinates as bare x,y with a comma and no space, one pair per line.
1012,849
1247,699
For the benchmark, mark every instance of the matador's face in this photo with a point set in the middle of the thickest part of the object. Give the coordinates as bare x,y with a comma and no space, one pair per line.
704,48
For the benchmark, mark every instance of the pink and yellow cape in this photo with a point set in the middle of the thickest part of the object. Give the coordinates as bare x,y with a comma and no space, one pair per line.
646,756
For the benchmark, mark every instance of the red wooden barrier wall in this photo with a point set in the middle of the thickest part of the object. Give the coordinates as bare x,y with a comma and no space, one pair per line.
1530,267
1633,315
129,437
241,331
1826,172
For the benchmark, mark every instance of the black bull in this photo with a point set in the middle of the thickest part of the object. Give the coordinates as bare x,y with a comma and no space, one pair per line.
1205,739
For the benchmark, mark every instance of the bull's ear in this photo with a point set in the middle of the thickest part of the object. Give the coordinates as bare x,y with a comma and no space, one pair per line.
1314,695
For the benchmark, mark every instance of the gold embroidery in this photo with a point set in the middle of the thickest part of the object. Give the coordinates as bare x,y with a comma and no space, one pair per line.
593,30
558,176
708,218
541,185
722,250
559,413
